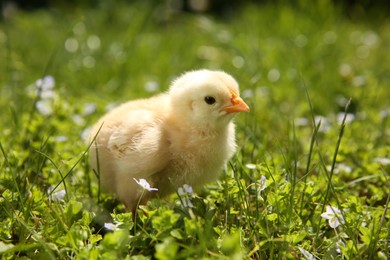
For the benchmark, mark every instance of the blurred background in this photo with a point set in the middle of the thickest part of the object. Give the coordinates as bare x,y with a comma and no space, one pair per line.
118,50
352,7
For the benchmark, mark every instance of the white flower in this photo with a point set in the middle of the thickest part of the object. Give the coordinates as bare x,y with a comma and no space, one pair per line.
306,254
333,215
262,184
47,94
340,167
61,138
78,120
44,88
188,188
324,124
251,166
144,184
382,160
184,194
385,113
349,117
111,226
89,108
44,107
57,196
85,133
47,83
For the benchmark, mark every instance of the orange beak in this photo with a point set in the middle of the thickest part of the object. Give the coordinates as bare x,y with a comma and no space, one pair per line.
238,105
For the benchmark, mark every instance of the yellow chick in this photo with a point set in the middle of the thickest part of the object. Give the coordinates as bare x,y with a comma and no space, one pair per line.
183,136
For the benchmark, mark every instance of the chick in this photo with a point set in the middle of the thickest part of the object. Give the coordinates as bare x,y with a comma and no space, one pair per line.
183,136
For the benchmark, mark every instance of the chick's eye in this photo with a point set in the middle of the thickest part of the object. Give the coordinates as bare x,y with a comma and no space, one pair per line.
209,100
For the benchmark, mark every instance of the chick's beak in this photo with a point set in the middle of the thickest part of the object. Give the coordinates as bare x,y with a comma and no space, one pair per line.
238,105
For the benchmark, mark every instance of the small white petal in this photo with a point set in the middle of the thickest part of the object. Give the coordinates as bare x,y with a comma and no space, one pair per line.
384,113
89,108
262,184
39,82
349,117
184,194
145,185
334,222
333,210
48,82
344,168
44,107
251,166
333,215
47,94
382,160
189,203
57,196
110,226
326,216
79,120
85,133
61,138
324,124
306,254
188,188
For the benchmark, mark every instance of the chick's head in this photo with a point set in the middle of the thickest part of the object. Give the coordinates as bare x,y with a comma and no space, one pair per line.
206,99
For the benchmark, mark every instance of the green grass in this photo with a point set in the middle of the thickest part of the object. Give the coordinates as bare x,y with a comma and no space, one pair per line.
300,68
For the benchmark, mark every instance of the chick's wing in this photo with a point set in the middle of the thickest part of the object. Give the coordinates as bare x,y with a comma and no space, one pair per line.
132,141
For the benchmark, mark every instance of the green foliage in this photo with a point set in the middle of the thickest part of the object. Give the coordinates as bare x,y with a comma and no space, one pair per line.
317,135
